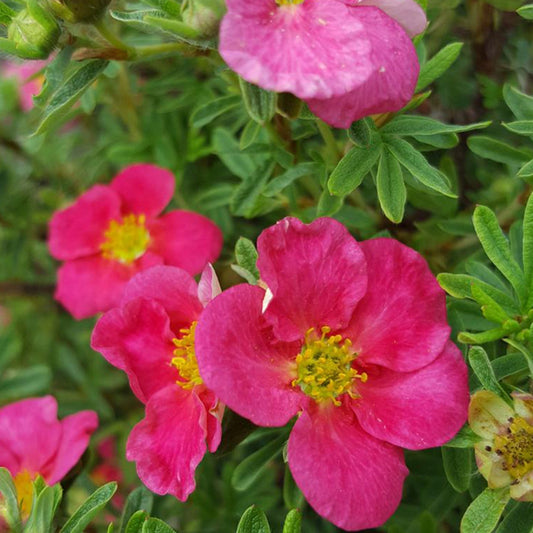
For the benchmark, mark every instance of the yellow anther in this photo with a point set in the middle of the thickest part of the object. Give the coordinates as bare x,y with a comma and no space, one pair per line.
127,240
184,359
324,367
516,448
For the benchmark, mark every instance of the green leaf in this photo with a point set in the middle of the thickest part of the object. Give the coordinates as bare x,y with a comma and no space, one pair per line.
526,11
292,495
6,14
328,204
42,511
520,519
485,511
139,499
489,307
260,104
27,382
10,503
251,468
253,521
246,197
416,164
498,151
466,438
521,127
246,255
293,522
154,525
508,365
526,170
353,167
420,126
438,65
277,184
213,109
497,248
527,244
521,104
135,523
391,187
90,508
69,93
481,338
480,363
361,131
249,134
458,467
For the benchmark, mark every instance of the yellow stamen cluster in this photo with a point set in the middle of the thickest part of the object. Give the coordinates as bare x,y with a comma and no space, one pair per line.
127,240
324,367
24,485
516,447
184,359
288,2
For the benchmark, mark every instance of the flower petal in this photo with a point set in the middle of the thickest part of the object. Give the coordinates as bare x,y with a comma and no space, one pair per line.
408,13
314,49
186,240
391,84
209,286
76,433
488,414
241,361
348,477
401,321
316,273
173,288
137,339
78,230
90,285
419,409
215,412
169,443
144,189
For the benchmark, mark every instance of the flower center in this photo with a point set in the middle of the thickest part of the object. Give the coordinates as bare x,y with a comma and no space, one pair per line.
184,359
516,448
127,240
288,2
24,485
324,367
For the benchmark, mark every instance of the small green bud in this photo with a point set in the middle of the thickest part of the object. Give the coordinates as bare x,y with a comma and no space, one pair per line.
33,33
86,10
204,15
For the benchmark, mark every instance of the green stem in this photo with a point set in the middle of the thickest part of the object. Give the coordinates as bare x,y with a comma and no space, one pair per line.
111,38
144,52
332,150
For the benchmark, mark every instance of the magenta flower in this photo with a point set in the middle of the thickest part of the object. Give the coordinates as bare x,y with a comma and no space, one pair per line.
353,338
113,231
34,442
28,79
346,58
151,337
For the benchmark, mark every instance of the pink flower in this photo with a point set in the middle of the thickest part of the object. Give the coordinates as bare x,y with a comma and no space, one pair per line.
346,58
353,338
151,337
34,442
113,231
28,80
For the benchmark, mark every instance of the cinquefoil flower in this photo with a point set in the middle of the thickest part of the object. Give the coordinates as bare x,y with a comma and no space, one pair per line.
113,231
346,58
151,337
351,337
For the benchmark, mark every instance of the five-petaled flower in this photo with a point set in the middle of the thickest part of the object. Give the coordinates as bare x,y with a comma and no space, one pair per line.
505,454
151,336
353,338
33,442
346,58
112,232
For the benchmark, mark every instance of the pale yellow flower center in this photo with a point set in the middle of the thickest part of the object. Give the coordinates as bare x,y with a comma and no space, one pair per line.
184,359
324,367
127,240
516,448
24,485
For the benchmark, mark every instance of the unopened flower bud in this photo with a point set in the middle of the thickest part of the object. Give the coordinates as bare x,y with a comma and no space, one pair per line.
86,10
204,15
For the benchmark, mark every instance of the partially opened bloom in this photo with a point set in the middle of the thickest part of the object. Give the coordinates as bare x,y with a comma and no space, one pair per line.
28,80
505,454
151,337
346,58
33,442
114,231
353,338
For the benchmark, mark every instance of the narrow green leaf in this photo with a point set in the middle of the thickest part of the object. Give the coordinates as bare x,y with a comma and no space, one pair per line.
92,506
277,184
293,522
69,93
391,189
328,204
489,307
246,197
458,467
213,109
292,495
526,170
353,167
154,525
438,65
249,134
497,248
6,14
27,382
260,104
508,365
526,11
246,256
485,511
139,499
135,523
416,164
527,244
10,502
481,338
498,151
420,126
42,511
521,127
253,521
361,131
520,519
466,438
480,363
521,104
